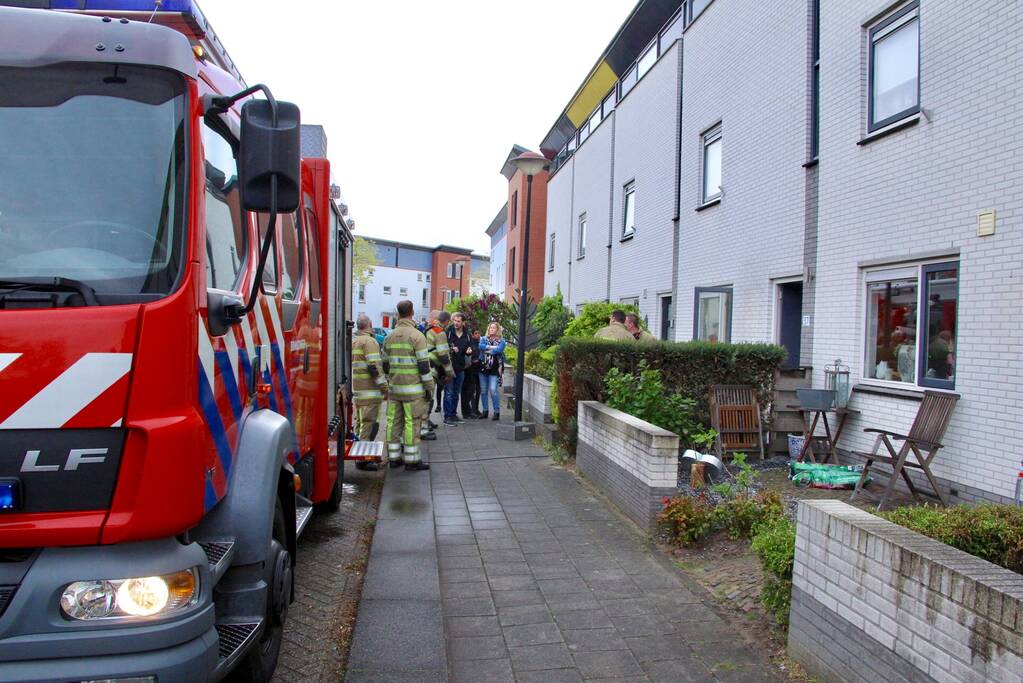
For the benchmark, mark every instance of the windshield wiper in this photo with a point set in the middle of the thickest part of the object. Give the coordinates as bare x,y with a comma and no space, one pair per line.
60,284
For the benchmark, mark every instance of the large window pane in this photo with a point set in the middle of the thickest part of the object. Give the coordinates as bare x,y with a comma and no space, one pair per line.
629,212
582,236
646,61
896,69
942,295
891,330
225,229
712,167
292,247
712,315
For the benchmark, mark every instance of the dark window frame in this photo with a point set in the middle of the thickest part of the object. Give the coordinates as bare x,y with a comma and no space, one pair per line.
581,225
894,17
730,291
815,81
925,313
707,138
628,189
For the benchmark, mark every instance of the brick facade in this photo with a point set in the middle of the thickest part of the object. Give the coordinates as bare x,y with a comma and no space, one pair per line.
516,236
443,257
873,601
633,462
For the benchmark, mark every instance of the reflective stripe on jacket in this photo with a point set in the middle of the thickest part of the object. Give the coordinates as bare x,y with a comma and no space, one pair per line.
407,362
368,379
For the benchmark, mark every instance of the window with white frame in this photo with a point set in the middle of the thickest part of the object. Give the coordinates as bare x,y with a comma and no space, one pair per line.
550,253
584,131
629,210
362,294
427,277
894,88
712,319
387,289
581,249
426,297
595,119
455,271
403,291
450,295
608,105
419,277
910,335
712,164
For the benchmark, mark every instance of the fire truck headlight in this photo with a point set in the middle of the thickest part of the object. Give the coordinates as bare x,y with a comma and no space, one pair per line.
136,597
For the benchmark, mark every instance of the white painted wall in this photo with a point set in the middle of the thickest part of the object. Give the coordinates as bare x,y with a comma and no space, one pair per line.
377,303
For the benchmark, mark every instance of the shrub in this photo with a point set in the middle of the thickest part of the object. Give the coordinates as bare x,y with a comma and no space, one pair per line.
774,542
689,368
741,515
551,318
686,519
644,396
541,363
481,309
595,316
991,532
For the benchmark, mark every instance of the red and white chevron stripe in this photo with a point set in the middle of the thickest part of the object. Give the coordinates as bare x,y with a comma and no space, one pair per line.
91,392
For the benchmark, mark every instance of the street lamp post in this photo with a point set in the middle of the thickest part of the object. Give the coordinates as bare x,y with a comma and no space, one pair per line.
530,163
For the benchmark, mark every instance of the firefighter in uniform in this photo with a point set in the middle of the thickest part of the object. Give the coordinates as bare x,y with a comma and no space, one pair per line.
407,363
370,384
440,354
615,330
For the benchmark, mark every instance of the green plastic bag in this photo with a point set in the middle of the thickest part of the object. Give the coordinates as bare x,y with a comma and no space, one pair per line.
820,476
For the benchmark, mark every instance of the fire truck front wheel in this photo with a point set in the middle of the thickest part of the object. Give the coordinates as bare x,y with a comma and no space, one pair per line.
259,664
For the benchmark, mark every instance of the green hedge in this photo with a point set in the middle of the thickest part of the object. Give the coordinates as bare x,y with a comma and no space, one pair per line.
688,368
991,532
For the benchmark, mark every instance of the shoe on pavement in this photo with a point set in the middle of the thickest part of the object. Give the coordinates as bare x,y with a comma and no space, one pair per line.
484,415
450,422
429,436
431,424
417,466
457,419
395,463
496,417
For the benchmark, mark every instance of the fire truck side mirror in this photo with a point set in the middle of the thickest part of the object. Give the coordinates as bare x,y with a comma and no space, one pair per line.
269,151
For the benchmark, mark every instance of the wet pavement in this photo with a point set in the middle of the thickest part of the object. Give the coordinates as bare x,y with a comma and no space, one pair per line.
498,566
331,563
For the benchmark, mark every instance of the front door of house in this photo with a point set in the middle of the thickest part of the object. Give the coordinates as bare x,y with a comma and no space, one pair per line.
790,314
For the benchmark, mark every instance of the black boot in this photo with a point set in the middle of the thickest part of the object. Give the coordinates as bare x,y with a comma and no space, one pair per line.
429,436
484,415
416,466
395,463
496,417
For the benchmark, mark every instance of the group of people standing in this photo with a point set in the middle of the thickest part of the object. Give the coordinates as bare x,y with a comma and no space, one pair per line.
622,327
445,363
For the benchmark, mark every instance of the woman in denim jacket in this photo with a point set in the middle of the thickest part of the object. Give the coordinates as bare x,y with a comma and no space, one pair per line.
492,350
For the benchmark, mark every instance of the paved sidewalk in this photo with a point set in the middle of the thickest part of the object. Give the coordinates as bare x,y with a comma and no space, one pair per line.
540,581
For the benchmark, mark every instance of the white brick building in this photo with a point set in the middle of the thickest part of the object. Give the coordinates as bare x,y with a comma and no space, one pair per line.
857,233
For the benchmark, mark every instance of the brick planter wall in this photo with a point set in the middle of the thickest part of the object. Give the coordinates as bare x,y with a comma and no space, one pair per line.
632,461
873,601
536,399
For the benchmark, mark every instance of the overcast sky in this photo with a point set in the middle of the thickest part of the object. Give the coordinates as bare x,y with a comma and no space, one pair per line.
421,100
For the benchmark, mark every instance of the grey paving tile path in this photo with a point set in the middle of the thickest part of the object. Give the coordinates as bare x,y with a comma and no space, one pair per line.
505,568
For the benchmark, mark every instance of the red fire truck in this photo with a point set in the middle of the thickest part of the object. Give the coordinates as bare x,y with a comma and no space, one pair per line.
174,288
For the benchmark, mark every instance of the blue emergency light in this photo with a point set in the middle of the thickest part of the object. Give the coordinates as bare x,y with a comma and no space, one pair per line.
10,494
124,5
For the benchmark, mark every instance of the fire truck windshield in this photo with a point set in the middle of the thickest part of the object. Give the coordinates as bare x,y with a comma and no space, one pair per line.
92,178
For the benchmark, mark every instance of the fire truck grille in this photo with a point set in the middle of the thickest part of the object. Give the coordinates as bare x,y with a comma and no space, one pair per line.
215,551
234,636
6,593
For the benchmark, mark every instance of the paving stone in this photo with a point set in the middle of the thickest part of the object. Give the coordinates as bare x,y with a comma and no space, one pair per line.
606,664
549,676
477,647
684,670
468,589
594,640
514,598
509,583
469,607
562,586
482,671
471,626
645,625
583,619
459,575
524,614
508,569
457,550
656,648
571,602
532,634
540,657
460,562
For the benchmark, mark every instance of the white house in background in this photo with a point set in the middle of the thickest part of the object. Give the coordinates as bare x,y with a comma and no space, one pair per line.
403,271
479,274
498,233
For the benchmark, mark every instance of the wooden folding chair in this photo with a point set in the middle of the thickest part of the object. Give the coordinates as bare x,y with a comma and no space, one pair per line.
923,443
735,415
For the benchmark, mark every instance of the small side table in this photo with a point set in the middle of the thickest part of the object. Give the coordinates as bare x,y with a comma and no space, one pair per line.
828,443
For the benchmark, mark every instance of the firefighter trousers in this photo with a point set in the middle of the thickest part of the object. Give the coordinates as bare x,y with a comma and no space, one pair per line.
404,420
366,417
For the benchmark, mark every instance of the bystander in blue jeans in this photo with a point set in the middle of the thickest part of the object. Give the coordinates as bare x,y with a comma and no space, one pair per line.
452,394
490,386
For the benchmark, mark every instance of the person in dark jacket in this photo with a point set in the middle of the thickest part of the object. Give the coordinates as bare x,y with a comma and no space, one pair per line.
471,381
459,344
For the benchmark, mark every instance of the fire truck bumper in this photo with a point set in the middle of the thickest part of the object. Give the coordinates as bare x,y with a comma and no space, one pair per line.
38,643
